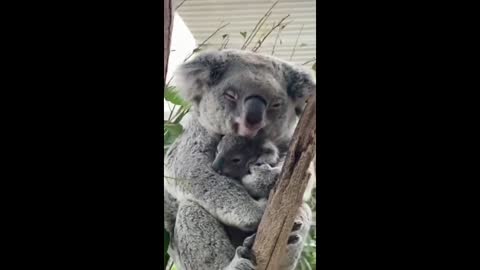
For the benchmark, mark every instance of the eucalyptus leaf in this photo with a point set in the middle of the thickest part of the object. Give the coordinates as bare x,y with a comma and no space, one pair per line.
171,95
173,131
166,242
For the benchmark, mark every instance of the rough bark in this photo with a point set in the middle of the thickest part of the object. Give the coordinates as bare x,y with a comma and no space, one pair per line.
167,36
167,33
286,197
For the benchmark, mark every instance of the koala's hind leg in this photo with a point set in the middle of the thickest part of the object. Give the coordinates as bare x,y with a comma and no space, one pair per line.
170,209
297,238
201,243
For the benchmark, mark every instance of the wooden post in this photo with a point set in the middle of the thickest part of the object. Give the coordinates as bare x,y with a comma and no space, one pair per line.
167,34
287,195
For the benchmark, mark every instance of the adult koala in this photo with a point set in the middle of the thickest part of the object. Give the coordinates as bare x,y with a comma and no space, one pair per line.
209,215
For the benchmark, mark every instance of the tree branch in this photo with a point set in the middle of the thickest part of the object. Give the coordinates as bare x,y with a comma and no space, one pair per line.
286,197
167,34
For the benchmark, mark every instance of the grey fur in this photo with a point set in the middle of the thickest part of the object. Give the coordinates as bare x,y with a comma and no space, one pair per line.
211,209
205,80
236,156
261,180
258,167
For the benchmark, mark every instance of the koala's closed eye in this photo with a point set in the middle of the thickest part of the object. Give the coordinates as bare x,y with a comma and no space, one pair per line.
268,151
276,102
236,160
230,95
276,105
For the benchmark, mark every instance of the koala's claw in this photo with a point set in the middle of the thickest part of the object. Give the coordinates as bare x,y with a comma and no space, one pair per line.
244,257
246,253
248,242
293,239
296,226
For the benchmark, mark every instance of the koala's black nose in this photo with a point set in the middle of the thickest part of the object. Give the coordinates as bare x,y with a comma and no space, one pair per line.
254,107
218,165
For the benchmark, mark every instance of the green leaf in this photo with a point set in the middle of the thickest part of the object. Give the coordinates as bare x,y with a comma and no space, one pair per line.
166,242
175,129
172,132
244,34
171,95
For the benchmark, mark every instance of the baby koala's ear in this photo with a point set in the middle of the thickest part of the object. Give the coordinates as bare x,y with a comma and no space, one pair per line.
269,153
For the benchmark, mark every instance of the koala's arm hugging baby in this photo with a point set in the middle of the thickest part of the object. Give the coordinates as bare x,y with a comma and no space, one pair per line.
237,93
194,179
255,162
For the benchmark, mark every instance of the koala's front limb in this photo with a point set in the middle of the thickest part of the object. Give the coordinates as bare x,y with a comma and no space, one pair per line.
261,180
189,176
170,209
201,243
263,177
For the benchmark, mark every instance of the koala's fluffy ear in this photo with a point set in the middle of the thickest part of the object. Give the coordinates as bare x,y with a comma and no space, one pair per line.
198,75
270,153
300,85
269,147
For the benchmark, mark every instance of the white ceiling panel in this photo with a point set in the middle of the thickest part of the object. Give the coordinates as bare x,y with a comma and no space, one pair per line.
203,17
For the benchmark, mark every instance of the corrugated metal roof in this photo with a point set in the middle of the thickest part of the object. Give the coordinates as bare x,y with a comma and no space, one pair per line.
203,17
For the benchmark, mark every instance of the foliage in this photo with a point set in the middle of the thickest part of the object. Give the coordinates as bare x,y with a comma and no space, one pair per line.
166,242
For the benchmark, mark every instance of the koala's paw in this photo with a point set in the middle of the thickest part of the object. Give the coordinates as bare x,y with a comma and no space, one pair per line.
244,258
265,171
296,233
295,244
248,220
262,203
260,167
261,180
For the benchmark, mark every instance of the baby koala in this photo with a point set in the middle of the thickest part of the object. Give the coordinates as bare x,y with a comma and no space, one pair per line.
254,162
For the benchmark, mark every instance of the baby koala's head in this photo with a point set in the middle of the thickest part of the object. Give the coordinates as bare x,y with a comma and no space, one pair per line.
235,154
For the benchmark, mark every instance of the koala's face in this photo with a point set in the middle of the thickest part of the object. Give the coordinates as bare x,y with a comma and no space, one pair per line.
233,164
243,105
235,154
244,94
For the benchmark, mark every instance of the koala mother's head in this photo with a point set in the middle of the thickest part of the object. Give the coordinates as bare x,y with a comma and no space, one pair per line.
242,93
